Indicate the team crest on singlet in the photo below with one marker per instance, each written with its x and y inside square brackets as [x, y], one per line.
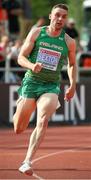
[49, 58]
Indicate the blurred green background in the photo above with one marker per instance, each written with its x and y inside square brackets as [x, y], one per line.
[42, 8]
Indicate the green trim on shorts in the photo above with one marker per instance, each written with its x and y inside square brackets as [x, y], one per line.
[32, 88]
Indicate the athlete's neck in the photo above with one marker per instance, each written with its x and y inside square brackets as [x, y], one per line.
[53, 31]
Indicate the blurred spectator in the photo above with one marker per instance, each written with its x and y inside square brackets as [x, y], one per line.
[3, 52]
[71, 30]
[14, 10]
[89, 44]
[2, 30]
[78, 55]
[84, 57]
[3, 21]
[12, 57]
[26, 18]
[13, 53]
[3, 47]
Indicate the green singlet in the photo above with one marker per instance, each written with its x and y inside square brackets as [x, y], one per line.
[52, 52]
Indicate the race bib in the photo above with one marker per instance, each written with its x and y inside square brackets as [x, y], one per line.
[48, 58]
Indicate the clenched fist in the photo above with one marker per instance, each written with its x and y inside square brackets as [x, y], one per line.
[37, 67]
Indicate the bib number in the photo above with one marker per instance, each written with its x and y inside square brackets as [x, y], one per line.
[48, 58]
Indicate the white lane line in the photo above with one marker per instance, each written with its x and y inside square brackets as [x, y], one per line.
[52, 154]
[48, 155]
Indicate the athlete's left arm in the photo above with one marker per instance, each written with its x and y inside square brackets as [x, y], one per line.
[71, 68]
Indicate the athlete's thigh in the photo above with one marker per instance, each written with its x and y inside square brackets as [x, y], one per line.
[47, 104]
[25, 107]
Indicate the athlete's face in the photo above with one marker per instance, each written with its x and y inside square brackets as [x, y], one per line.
[58, 18]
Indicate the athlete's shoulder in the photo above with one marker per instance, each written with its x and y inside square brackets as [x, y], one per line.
[35, 32]
[71, 43]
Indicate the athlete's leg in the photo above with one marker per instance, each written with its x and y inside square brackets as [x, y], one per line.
[25, 107]
[46, 106]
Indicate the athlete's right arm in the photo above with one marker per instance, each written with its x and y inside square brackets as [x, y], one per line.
[26, 49]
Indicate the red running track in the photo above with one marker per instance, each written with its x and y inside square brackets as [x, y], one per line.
[64, 154]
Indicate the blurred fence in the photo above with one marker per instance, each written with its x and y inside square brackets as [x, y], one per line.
[7, 69]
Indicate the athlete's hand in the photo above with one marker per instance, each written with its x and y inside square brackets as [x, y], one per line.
[37, 67]
[69, 93]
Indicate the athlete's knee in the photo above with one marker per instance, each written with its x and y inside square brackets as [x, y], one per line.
[18, 131]
[17, 127]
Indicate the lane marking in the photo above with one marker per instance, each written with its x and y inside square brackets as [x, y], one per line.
[48, 155]
[52, 154]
